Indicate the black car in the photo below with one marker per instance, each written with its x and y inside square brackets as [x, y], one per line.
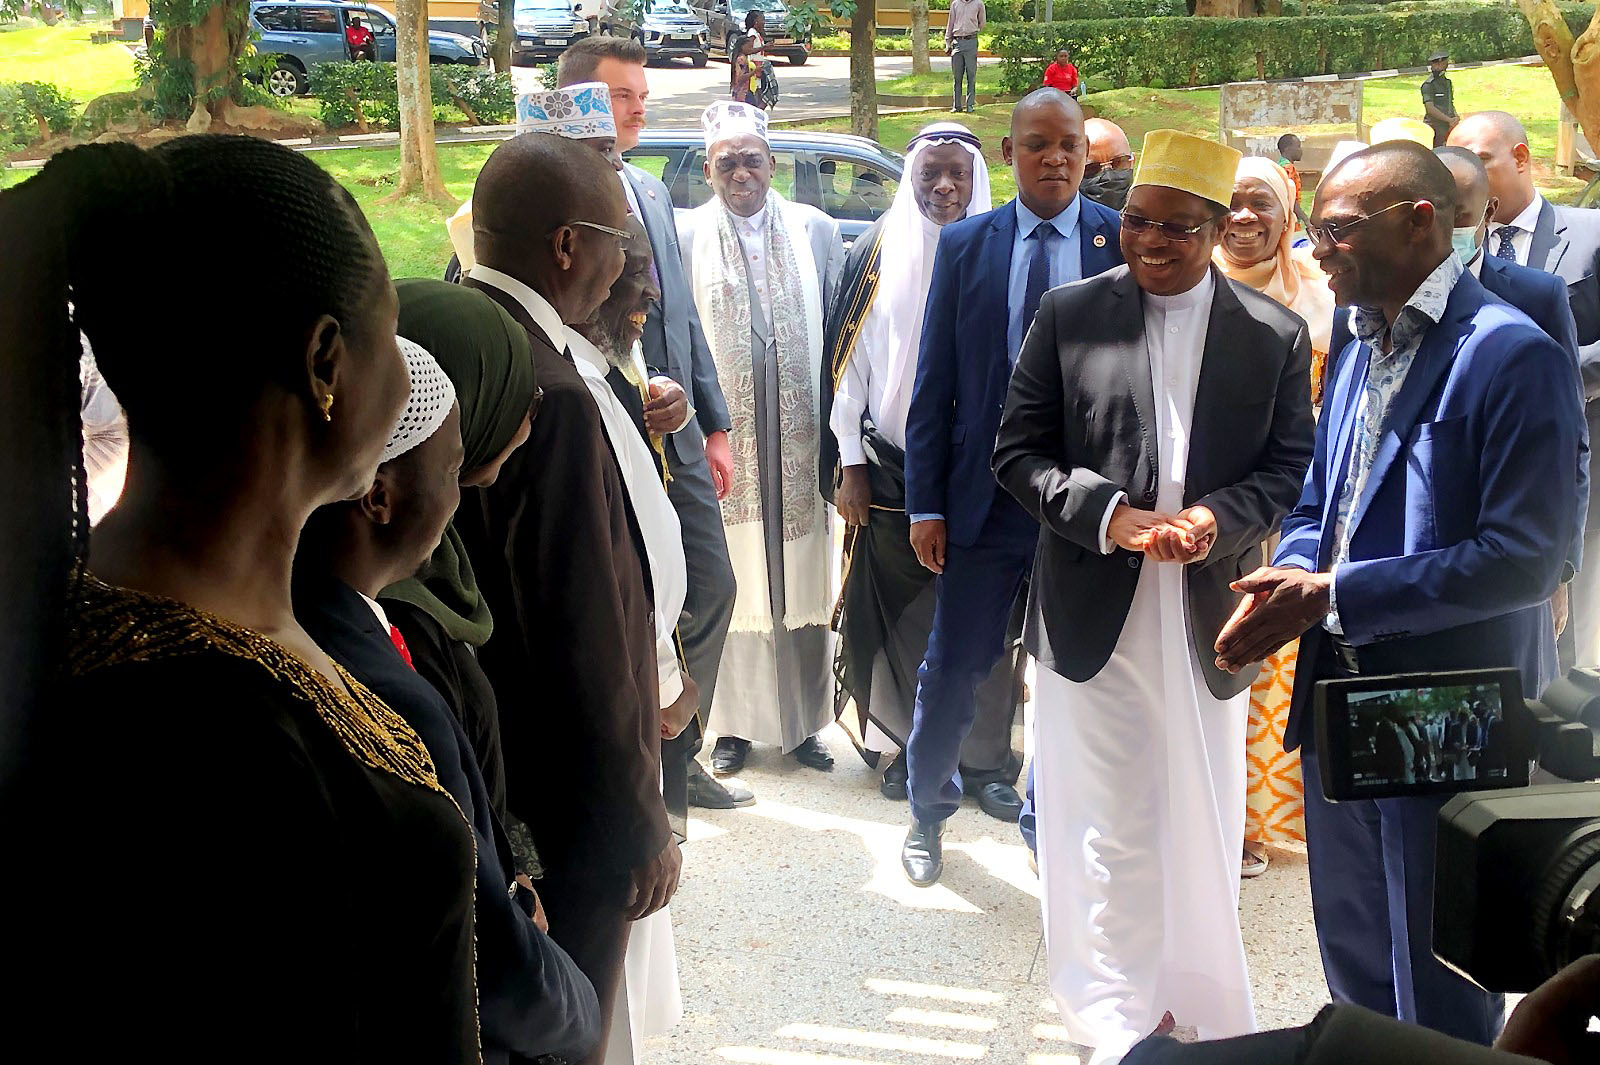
[725, 19]
[545, 28]
[849, 178]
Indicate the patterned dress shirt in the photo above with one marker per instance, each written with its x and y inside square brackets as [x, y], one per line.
[1386, 375]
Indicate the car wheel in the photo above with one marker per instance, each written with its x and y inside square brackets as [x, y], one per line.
[798, 59]
[701, 58]
[286, 80]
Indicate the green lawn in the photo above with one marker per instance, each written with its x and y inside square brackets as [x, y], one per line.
[62, 55]
[938, 83]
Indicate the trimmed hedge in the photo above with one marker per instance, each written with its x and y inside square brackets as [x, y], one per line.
[349, 94]
[1173, 52]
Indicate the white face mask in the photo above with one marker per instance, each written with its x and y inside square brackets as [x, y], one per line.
[1464, 240]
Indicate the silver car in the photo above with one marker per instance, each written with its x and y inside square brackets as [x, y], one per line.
[668, 29]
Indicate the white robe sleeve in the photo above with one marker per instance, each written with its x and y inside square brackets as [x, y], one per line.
[849, 403]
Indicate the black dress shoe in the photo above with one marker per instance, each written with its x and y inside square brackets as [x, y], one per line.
[922, 856]
[728, 755]
[1000, 801]
[813, 755]
[895, 778]
[709, 794]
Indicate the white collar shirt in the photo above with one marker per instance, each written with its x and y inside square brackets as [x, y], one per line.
[546, 317]
[633, 197]
[753, 237]
[1522, 239]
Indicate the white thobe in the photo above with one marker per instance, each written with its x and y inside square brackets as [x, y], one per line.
[649, 1002]
[1140, 784]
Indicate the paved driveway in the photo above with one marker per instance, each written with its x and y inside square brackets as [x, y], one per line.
[679, 91]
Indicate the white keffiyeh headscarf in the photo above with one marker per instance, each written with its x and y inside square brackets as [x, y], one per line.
[893, 323]
[722, 297]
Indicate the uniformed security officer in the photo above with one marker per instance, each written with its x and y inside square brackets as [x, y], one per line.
[1438, 99]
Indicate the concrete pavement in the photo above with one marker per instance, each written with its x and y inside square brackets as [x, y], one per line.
[801, 943]
[679, 91]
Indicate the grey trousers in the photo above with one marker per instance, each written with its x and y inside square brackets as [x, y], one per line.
[964, 60]
[707, 608]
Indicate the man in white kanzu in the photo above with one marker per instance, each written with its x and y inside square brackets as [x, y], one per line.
[763, 270]
[1158, 425]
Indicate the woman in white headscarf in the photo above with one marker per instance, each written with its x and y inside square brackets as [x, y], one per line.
[874, 332]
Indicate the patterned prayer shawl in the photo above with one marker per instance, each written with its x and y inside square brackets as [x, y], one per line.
[722, 296]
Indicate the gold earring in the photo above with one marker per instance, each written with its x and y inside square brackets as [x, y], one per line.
[327, 406]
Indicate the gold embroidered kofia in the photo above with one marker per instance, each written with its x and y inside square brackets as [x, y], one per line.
[113, 626]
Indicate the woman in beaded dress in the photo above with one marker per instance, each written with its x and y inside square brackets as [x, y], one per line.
[249, 856]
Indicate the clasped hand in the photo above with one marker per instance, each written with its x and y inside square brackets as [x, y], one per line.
[1184, 537]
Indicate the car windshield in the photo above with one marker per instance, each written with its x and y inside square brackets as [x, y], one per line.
[668, 7]
[741, 7]
[544, 7]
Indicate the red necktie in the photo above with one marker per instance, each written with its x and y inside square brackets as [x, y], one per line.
[400, 645]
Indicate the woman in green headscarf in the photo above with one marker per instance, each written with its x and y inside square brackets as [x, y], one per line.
[440, 612]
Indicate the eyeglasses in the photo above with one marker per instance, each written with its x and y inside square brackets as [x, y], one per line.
[1336, 232]
[624, 238]
[1171, 230]
[1091, 169]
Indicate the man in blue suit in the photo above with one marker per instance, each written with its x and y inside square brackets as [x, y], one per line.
[1539, 295]
[1434, 526]
[988, 276]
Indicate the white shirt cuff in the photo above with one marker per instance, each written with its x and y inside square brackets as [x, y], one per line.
[850, 451]
[1106, 546]
[669, 679]
[1332, 622]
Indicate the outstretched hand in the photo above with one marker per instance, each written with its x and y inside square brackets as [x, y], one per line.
[1280, 603]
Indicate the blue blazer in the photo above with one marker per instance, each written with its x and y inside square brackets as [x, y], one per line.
[1543, 297]
[963, 367]
[1461, 534]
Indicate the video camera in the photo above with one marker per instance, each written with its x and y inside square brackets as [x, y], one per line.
[1517, 871]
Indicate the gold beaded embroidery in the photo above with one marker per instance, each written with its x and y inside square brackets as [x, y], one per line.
[112, 626]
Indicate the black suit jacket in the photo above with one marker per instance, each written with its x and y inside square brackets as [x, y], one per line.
[532, 998]
[1079, 427]
[559, 556]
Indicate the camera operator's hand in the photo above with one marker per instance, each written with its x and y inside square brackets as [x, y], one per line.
[1552, 1023]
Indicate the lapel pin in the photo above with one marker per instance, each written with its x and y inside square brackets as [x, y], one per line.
[1099, 240]
[650, 193]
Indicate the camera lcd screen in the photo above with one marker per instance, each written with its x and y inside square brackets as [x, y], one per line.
[1422, 734]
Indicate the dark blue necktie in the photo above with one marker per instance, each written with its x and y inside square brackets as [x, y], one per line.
[1507, 250]
[1044, 237]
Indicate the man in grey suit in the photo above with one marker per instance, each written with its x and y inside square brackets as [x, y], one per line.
[698, 460]
[1530, 231]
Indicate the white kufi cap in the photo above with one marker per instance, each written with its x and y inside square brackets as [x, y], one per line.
[728, 118]
[576, 112]
[432, 396]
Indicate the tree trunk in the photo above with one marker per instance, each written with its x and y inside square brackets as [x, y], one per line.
[1217, 8]
[214, 51]
[419, 163]
[505, 35]
[920, 64]
[863, 71]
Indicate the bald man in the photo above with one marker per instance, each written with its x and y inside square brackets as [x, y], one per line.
[1528, 230]
[1455, 405]
[1109, 169]
[561, 559]
[989, 274]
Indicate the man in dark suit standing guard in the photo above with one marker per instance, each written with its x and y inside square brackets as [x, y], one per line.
[1530, 231]
[988, 275]
[1159, 426]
